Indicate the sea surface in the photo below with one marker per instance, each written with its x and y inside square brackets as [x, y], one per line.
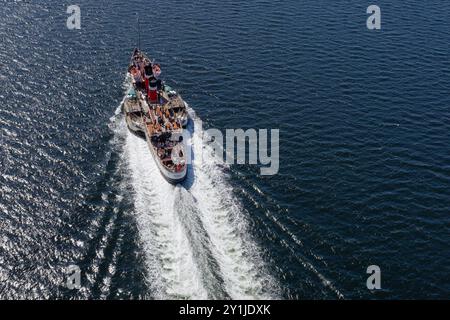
[364, 179]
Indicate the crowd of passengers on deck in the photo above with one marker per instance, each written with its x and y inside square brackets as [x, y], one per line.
[164, 148]
[146, 78]
[164, 121]
[145, 75]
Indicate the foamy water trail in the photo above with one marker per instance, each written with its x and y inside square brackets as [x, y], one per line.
[222, 216]
[195, 236]
[172, 270]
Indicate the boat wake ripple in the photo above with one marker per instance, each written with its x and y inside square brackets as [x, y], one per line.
[195, 236]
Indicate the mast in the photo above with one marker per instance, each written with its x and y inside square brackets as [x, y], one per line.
[139, 34]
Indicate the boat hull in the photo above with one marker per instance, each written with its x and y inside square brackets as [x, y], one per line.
[146, 118]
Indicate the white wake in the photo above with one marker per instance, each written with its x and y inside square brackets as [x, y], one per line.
[172, 270]
[167, 216]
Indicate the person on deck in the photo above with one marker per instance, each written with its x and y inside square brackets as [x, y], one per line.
[137, 78]
[156, 70]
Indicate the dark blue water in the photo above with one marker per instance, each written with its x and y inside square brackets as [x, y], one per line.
[364, 175]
